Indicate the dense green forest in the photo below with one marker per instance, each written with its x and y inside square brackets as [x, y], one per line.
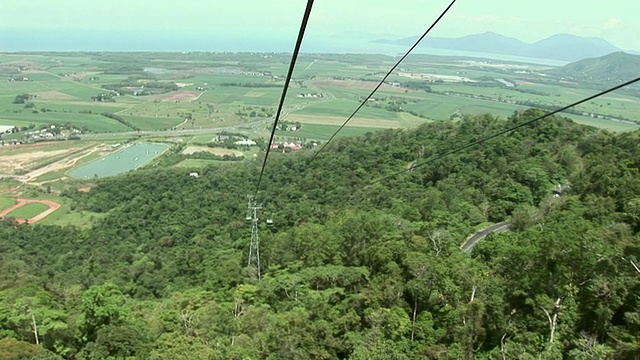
[352, 269]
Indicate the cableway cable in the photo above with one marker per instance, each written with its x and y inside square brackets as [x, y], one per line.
[384, 79]
[294, 57]
[511, 129]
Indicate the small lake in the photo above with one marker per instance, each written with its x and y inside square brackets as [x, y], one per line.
[125, 159]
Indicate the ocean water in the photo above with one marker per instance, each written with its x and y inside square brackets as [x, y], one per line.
[121, 40]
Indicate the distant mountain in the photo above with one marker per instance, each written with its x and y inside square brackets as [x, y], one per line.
[571, 47]
[610, 69]
[364, 35]
[558, 47]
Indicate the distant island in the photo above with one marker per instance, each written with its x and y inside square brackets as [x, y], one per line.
[564, 47]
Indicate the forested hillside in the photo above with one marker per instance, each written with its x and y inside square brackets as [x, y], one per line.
[352, 269]
[612, 69]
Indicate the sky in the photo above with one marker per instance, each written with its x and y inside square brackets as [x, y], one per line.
[262, 20]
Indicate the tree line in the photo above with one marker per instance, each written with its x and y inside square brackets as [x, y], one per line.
[351, 269]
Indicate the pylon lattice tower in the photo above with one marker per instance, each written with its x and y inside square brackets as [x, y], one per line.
[254, 247]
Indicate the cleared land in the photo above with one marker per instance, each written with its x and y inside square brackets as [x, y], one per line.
[355, 122]
[136, 97]
[6, 203]
[196, 163]
[324, 132]
[217, 151]
[181, 95]
[30, 211]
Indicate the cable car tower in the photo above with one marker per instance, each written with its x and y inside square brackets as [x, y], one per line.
[254, 247]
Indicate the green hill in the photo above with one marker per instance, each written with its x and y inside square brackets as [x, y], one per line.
[610, 69]
[351, 269]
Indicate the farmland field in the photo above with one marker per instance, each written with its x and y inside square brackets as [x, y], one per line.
[6, 203]
[197, 163]
[121, 161]
[189, 98]
[216, 151]
[324, 132]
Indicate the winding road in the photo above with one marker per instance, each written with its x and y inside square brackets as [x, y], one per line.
[473, 239]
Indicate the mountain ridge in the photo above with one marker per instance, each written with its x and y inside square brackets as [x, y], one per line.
[564, 47]
[611, 69]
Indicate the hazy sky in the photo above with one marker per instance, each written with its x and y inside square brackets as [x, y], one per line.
[614, 20]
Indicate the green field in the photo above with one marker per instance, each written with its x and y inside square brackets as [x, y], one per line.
[198, 163]
[64, 216]
[216, 91]
[28, 211]
[121, 161]
[95, 123]
[153, 123]
[6, 203]
[324, 132]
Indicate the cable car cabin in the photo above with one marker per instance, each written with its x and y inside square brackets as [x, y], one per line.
[248, 218]
[269, 222]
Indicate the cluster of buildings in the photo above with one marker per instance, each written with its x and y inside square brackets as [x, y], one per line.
[286, 145]
[311, 95]
[52, 132]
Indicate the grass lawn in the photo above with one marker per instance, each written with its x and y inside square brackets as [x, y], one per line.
[197, 163]
[610, 125]
[93, 122]
[324, 132]
[64, 216]
[6, 203]
[28, 211]
[152, 123]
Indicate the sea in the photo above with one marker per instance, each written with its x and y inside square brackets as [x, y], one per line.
[32, 40]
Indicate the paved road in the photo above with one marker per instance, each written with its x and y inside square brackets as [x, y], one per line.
[473, 239]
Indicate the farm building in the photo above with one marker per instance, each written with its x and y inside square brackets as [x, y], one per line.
[6, 128]
[245, 142]
[292, 146]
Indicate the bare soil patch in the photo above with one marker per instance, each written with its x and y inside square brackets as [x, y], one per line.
[253, 93]
[11, 163]
[358, 84]
[33, 71]
[620, 99]
[434, 77]
[81, 75]
[54, 95]
[356, 121]
[53, 206]
[181, 96]
[217, 151]
[19, 159]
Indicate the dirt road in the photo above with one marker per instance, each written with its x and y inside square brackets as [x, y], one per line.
[53, 206]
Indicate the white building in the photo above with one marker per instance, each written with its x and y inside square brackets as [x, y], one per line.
[245, 142]
[6, 128]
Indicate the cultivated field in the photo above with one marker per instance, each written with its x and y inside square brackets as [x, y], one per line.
[216, 151]
[93, 100]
